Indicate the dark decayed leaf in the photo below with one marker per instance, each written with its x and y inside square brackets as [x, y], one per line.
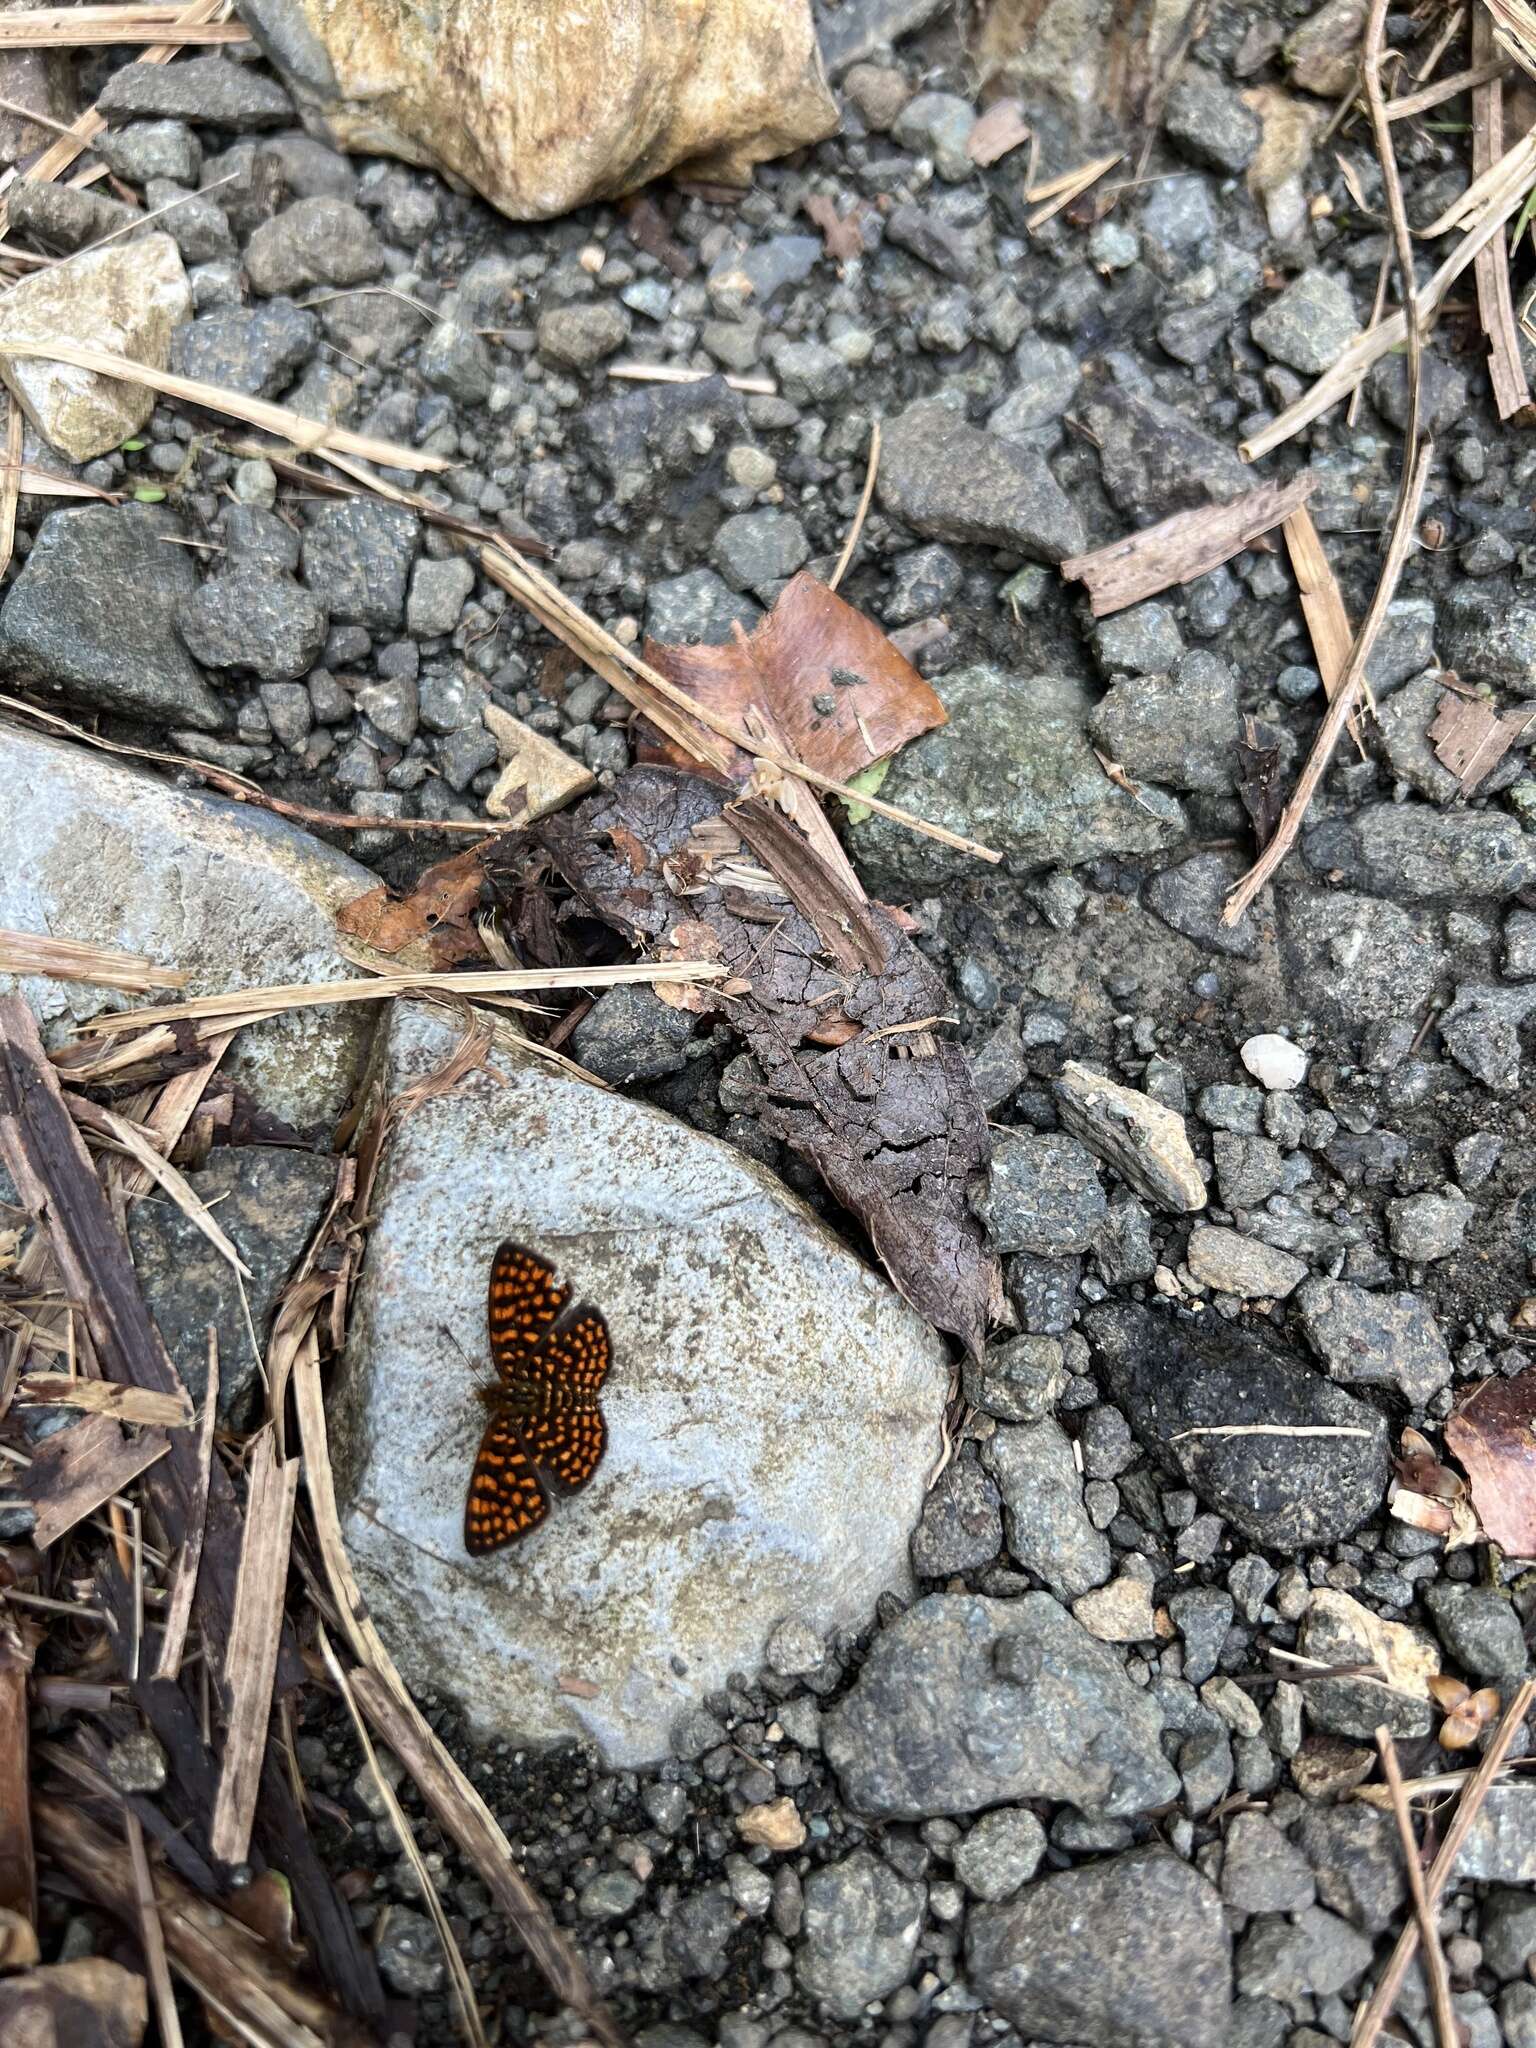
[1259, 782]
[842, 235]
[832, 999]
[438, 915]
[1491, 1433]
[835, 692]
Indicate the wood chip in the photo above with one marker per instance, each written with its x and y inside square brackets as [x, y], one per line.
[10, 480]
[1187, 545]
[841, 235]
[1000, 129]
[78, 1470]
[103, 1397]
[178, 1608]
[251, 1663]
[73, 960]
[537, 776]
[1470, 738]
[1322, 606]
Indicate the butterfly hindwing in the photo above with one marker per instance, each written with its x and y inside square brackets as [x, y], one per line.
[568, 1446]
[505, 1499]
[524, 1303]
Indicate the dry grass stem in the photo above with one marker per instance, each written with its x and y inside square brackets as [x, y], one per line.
[1514, 28]
[1446, 2031]
[10, 481]
[1060, 192]
[60, 28]
[1270, 1429]
[18, 1869]
[1495, 300]
[74, 960]
[1397, 212]
[1322, 606]
[1337, 715]
[176, 1186]
[178, 1607]
[313, 437]
[151, 1934]
[673, 373]
[1179, 548]
[102, 1397]
[251, 1663]
[1374, 2015]
[1428, 96]
[862, 513]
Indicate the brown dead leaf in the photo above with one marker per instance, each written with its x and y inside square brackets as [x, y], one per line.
[1419, 1469]
[647, 228]
[824, 676]
[843, 236]
[1000, 129]
[1491, 1434]
[1259, 778]
[437, 918]
[890, 1119]
[1470, 738]
[576, 1688]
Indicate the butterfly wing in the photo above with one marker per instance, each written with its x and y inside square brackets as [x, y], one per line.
[567, 1445]
[505, 1499]
[574, 1359]
[524, 1303]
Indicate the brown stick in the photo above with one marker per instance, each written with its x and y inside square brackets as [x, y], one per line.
[1322, 606]
[18, 1867]
[1183, 546]
[1397, 213]
[1375, 2013]
[1495, 301]
[1338, 713]
[151, 1935]
[863, 509]
[178, 1610]
[1429, 96]
[1429, 1934]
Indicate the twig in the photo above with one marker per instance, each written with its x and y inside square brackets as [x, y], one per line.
[863, 512]
[10, 483]
[1429, 1934]
[1338, 712]
[251, 1663]
[1495, 302]
[1183, 546]
[1322, 606]
[74, 960]
[1397, 213]
[178, 1609]
[673, 373]
[1447, 88]
[1376, 2012]
[151, 1935]
[60, 28]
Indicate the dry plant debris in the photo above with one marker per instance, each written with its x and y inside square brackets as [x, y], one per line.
[1470, 738]
[1491, 1433]
[1180, 548]
[836, 1005]
[54, 28]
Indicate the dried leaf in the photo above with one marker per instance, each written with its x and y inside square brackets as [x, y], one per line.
[1491, 1434]
[890, 1119]
[1419, 1469]
[842, 235]
[1471, 738]
[1260, 781]
[1467, 1713]
[647, 228]
[1001, 128]
[537, 776]
[437, 919]
[832, 687]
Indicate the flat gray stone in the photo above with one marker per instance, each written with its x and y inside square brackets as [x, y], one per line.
[1374, 1340]
[1501, 1846]
[737, 1321]
[1046, 1521]
[1230, 1263]
[966, 1703]
[1309, 324]
[94, 849]
[859, 1933]
[948, 480]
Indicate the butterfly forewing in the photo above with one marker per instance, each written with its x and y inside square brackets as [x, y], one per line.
[523, 1305]
[505, 1498]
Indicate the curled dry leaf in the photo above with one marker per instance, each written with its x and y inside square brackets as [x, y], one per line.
[87, 2003]
[833, 1001]
[433, 926]
[1428, 1495]
[1467, 1713]
[842, 235]
[831, 686]
[1491, 1433]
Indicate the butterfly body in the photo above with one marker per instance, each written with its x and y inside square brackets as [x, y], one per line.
[545, 1425]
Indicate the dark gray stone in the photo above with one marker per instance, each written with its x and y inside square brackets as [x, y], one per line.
[859, 1933]
[630, 1034]
[93, 611]
[1482, 1032]
[150, 149]
[1019, 1380]
[1174, 1374]
[321, 240]
[1209, 121]
[1262, 1871]
[268, 1201]
[1501, 1844]
[1315, 1953]
[579, 336]
[1358, 1862]
[950, 481]
[1490, 636]
[211, 89]
[652, 434]
[932, 240]
[258, 350]
[1190, 898]
[1043, 1194]
[1480, 1629]
[962, 1523]
[1416, 854]
[1142, 640]
[696, 606]
[1181, 730]
[1358, 959]
[1000, 1853]
[1132, 1952]
[966, 1703]
[247, 618]
[758, 551]
[1047, 1523]
[1248, 1170]
[1374, 1340]
[1308, 324]
[357, 556]
[1155, 461]
[1202, 1616]
[923, 581]
[1044, 1291]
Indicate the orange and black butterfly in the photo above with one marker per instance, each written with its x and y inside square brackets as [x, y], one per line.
[551, 1361]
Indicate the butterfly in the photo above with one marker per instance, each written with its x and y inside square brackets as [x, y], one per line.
[551, 1361]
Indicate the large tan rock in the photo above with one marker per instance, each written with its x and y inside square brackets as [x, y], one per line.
[543, 107]
[127, 297]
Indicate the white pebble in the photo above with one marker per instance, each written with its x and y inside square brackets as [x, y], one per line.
[1274, 1062]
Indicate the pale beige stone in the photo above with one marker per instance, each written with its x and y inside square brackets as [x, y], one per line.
[1143, 1140]
[776, 1825]
[1406, 1657]
[536, 777]
[127, 297]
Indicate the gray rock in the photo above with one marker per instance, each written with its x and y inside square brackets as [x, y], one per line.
[1481, 1630]
[1482, 1032]
[653, 433]
[1405, 645]
[437, 596]
[247, 618]
[1132, 1952]
[1043, 1194]
[1046, 377]
[1202, 1616]
[696, 606]
[393, 704]
[1309, 324]
[1490, 637]
[151, 149]
[1013, 768]
[118, 857]
[268, 1202]
[1155, 461]
[1315, 1953]
[1181, 730]
[950, 481]
[1142, 640]
[93, 611]
[579, 336]
[758, 551]
[1191, 896]
[211, 89]
[1209, 121]
[1000, 1853]
[257, 350]
[932, 240]
[1205, 1769]
[1044, 1291]
[1230, 1263]
[1501, 1845]
[1428, 1226]
[1374, 1340]
[966, 1703]
[1358, 1862]
[923, 581]
[199, 228]
[1048, 1528]
[315, 241]
[856, 33]
[1179, 219]
[962, 1523]
[859, 1933]
[1416, 854]
[746, 277]
[408, 1952]
[1248, 1169]
[1172, 1375]
[1261, 1869]
[1336, 1630]
[1520, 945]
[1019, 1380]
[938, 125]
[1358, 958]
[1508, 1932]
[1443, 392]
[454, 360]
[357, 556]
[630, 1034]
[732, 1311]
[811, 373]
[1517, 2016]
